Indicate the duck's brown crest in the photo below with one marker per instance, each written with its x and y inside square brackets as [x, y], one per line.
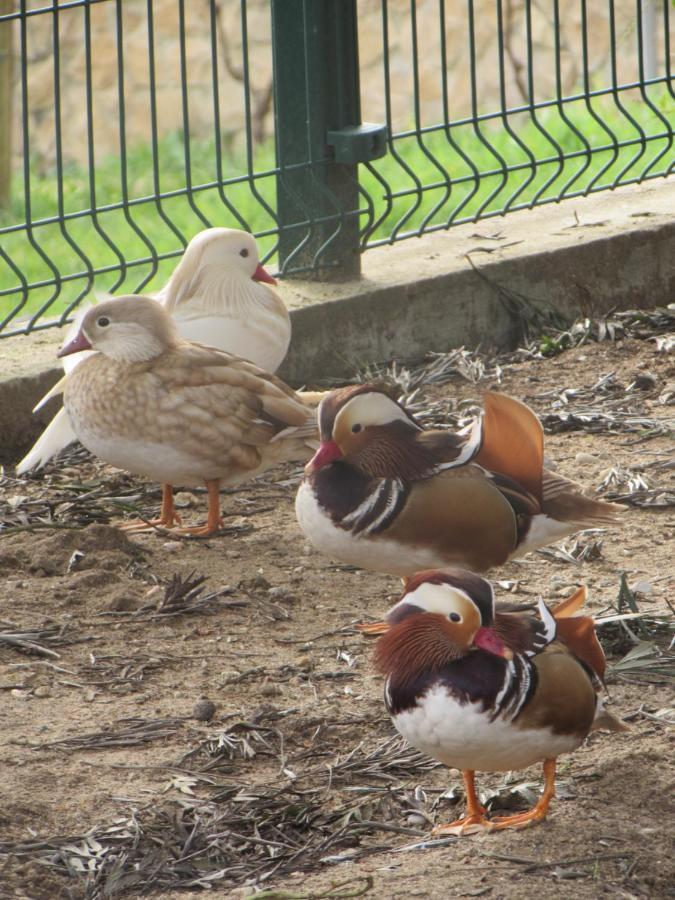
[421, 643]
[333, 402]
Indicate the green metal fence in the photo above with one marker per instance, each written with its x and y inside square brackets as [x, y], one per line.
[126, 126]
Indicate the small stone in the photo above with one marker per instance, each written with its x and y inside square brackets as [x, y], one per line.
[642, 587]
[121, 602]
[184, 499]
[645, 381]
[42, 691]
[204, 710]
[304, 663]
[417, 819]
[232, 554]
[585, 459]
[90, 695]
[172, 546]
[270, 690]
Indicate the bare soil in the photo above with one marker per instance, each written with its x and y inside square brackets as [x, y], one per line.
[279, 657]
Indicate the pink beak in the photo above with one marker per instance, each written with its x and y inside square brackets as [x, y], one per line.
[328, 452]
[78, 343]
[487, 639]
[261, 274]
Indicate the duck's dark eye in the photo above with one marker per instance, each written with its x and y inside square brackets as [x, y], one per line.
[243, 252]
[103, 321]
[455, 617]
[356, 428]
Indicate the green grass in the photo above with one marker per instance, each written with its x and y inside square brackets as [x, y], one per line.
[469, 197]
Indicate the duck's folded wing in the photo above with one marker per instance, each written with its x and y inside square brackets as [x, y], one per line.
[525, 629]
[232, 407]
[512, 442]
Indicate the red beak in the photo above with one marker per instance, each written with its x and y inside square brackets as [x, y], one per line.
[488, 639]
[328, 452]
[79, 342]
[261, 274]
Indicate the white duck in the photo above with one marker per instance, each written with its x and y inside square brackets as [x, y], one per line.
[216, 296]
[176, 411]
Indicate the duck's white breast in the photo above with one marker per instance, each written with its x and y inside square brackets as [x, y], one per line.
[463, 737]
[160, 462]
[262, 339]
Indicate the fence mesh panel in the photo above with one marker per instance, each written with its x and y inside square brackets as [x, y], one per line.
[127, 126]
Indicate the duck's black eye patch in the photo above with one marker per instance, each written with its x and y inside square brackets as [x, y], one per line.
[243, 252]
[103, 321]
[356, 428]
[455, 617]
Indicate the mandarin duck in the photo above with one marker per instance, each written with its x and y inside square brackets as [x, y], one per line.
[385, 494]
[177, 411]
[216, 296]
[488, 688]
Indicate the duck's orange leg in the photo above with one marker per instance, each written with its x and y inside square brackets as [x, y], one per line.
[474, 820]
[214, 521]
[168, 517]
[538, 812]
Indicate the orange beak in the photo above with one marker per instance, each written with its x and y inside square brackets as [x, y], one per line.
[78, 343]
[261, 274]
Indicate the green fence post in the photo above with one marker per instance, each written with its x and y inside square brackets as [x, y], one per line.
[6, 104]
[320, 138]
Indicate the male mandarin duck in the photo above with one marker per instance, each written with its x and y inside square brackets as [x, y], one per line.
[219, 294]
[176, 411]
[384, 494]
[488, 688]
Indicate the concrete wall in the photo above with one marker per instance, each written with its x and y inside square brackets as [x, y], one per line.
[580, 258]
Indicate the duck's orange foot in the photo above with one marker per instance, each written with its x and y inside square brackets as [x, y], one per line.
[518, 821]
[372, 629]
[538, 812]
[138, 525]
[168, 517]
[208, 528]
[471, 824]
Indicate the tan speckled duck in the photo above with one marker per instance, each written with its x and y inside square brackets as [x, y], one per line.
[175, 411]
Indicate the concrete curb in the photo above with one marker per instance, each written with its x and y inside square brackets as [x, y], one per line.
[581, 257]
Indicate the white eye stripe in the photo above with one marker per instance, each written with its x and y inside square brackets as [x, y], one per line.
[371, 409]
[439, 598]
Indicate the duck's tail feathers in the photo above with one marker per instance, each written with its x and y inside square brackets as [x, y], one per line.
[606, 721]
[56, 437]
[564, 502]
[52, 392]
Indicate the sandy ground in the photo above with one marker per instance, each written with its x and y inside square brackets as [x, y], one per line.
[295, 690]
